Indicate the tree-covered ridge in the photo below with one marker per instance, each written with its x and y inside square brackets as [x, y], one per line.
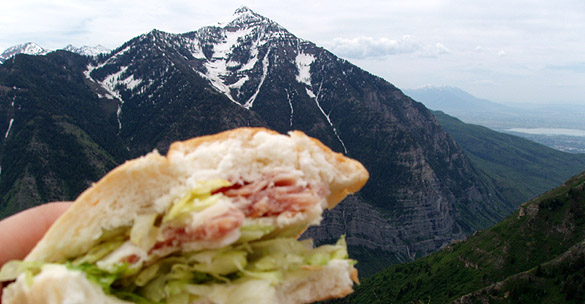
[537, 255]
[59, 136]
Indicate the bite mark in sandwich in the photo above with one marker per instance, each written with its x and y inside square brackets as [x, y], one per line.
[215, 221]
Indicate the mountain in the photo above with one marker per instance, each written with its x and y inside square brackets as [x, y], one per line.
[31, 48]
[87, 50]
[453, 100]
[536, 255]
[69, 114]
[522, 169]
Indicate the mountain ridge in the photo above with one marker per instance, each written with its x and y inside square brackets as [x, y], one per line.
[31, 48]
[536, 255]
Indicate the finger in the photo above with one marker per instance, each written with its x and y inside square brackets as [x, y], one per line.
[19, 233]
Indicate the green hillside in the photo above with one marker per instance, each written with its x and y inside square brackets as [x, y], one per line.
[537, 255]
[521, 168]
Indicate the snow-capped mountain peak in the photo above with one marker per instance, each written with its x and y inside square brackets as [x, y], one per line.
[87, 50]
[29, 48]
[233, 55]
[247, 17]
[244, 17]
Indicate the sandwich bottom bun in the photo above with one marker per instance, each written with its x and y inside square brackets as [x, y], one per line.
[57, 285]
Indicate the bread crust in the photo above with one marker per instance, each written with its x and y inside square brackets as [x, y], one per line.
[347, 166]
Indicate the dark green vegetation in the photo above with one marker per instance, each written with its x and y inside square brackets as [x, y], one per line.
[61, 136]
[521, 169]
[537, 255]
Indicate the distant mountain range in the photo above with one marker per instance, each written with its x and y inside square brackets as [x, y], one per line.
[561, 125]
[31, 48]
[454, 101]
[68, 119]
[536, 255]
[522, 169]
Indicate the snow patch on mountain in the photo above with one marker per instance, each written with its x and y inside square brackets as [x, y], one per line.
[9, 128]
[113, 83]
[245, 17]
[219, 66]
[222, 65]
[231, 54]
[224, 49]
[130, 82]
[292, 110]
[265, 64]
[252, 62]
[196, 50]
[303, 62]
[316, 98]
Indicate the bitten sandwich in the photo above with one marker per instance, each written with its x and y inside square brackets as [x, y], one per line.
[214, 221]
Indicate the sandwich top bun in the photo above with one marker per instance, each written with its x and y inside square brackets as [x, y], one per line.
[249, 158]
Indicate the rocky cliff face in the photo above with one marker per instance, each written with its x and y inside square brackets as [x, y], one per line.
[160, 87]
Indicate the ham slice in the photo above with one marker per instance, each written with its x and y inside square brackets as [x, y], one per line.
[274, 194]
[268, 196]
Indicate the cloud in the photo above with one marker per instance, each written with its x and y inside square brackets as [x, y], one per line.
[482, 50]
[369, 47]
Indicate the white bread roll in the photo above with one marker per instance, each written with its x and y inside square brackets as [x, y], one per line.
[153, 184]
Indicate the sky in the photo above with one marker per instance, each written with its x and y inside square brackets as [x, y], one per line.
[507, 51]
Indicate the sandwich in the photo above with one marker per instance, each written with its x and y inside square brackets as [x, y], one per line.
[216, 220]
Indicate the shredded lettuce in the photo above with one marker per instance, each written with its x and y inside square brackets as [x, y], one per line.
[253, 232]
[246, 291]
[144, 232]
[98, 252]
[181, 279]
[103, 278]
[196, 199]
[262, 262]
[133, 297]
[321, 255]
[12, 269]
[223, 263]
[106, 280]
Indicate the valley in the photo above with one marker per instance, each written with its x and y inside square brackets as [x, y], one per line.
[559, 126]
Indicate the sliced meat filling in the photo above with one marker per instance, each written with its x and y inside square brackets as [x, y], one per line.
[275, 194]
[272, 195]
[213, 229]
